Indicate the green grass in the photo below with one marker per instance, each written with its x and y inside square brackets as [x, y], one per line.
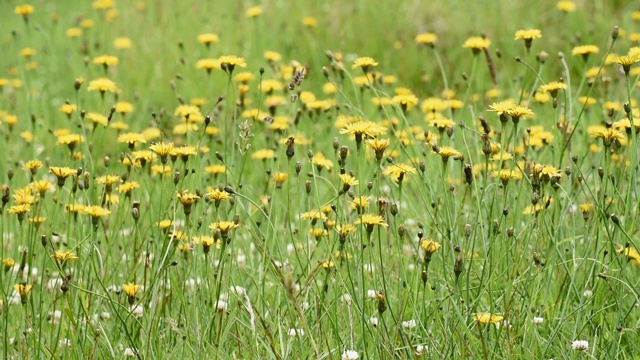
[284, 281]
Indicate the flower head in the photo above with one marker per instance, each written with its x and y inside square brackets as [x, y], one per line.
[62, 173]
[528, 36]
[208, 38]
[131, 290]
[477, 44]
[486, 318]
[553, 87]
[103, 85]
[23, 290]
[229, 62]
[398, 171]
[369, 220]
[427, 39]
[365, 63]
[96, 212]
[585, 51]
[580, 345]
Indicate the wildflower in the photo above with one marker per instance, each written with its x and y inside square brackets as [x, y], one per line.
[362, 129]
[447, 151]
[24, 10]
[360, 204]
[106, 61]
[254, 11]
[71, 140]
[132, 139]
[427, 39]
[528, 36]
[280, 178]
[379, 146]
[225, 227]
[430, 246]
[163, 150]
[108, 181]
[208, 64]
[421, 349]
[580, 345]
[187, 199]
[608, 135]
[68, 108]
[62, 173]
[398, 171]
[32, 166]
[20, 210]
[347, 182]
[486, 318]
[369, 220]
[217, 196]
[409, 324]
[62, 256]
[272, 56]
[74, 32]
[103, 85]
[507, 174]
[229, 62]
[518, 112]
[321, 162]
[23, 290]
[477, 44]
[122, 43]
[502, 109]
[630, 252]
[96, 212]
[365, 63]
[537, 320]
[585, 51]
[553, 87]
[27, 52]
[627, 60]
[208, 39]
[131, 290]
[350, 355]
[566, 6]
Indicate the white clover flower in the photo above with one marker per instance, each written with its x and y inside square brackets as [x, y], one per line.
[54, 316]
[373, 321]
[129, 352]
[421, 349]
[296, 332]
[350, 355]
[409, 324]
[222, 305]
[587, 293]
[537, 320]
[136, 311]
[371, 294]
[580, 345]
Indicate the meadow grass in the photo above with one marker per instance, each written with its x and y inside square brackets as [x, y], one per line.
[319, 180]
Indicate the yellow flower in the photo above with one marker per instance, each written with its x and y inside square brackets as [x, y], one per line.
[369, 220]
[163, 150]
[23, 290]
[426, 39]
[24, 10]
[347, 181]
[507, 174]
[529, 34]
[74, 32]
[476, 44]
[309, 22]
[215, 169]
[131, 290]
[254, 11]
[217, 196]
[608, 135]
[208, 64]
[585, 50]
[122, 43]
[566, 6]
[398, 171]
[127, 187]
[518, 112]
[123, 107]
[447, 151]
[362, 129]
[365, 63]
[62, 173]
[27, 52]
[132, 139]
[630, 252]
[224, 226]
[627, 60]
[263, 154]
[96, 212]
[272, 56]
[20, 210]
[32, 166]
[553, 87]
[280, 178]
[187, 199]
[379, 146]
[103, 85]
[229, 62]
[208, 38]
[486, 318]
[106, 60]
[64, 256]
[430, 246]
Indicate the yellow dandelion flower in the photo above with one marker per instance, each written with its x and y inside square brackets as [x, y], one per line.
[426, 39]
[486, 318]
